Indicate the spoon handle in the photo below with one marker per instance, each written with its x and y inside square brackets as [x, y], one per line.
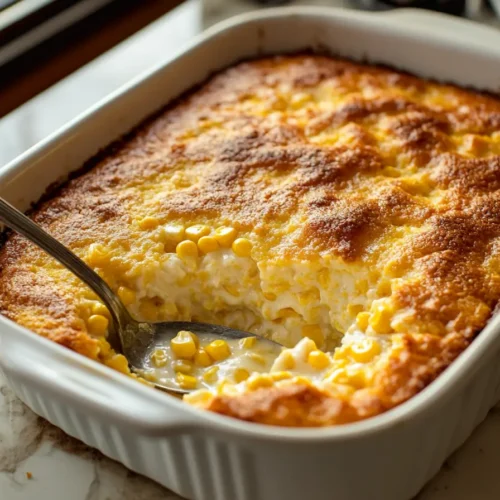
[16, 220]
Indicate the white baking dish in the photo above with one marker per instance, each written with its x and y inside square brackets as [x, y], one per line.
[206, 456]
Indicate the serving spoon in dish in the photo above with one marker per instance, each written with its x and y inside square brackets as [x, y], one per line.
[135, 340]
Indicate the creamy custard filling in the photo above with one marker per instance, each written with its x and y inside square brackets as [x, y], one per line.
[318, 310]
[319, 300]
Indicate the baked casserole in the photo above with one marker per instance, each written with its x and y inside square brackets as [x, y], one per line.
[346, 211]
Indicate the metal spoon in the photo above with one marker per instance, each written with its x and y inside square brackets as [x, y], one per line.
[136, 340]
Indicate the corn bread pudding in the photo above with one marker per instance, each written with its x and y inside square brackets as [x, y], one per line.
[347, 211]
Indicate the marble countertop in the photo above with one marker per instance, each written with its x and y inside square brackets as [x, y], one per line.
[37, 460]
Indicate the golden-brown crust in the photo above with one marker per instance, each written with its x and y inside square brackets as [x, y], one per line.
[312, 157]
[290, 405]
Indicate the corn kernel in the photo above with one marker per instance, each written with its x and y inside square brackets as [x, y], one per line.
[225, 236]
[258, 381]
[201, 358]
[277, 376]
[364, 350]
[100, 308]
[172, 234]
[198, 398]
[148, 311]
[208, 244]
[300, 379]
[119, 363]
[148, 223]
[287, 360]
[324, 278]
[168, 310]
[315, 333]
[182, 366]
[150, 376]
[307, 345]
[231, 289]
[281, 287]
[218, 350]
[186, 381]
[435, 327]
[362, 320]
[380, 320]
[97, 324]
[158, 358]
[183, 345]
[186, 249]
[340, 363]
[185, 281]
[127, 296]
[195, 338]
[240, 374]
[338, 376]
[97, 255]
[226, 387]
[384, 288]
[309, 297]
[400, 324]
[318, 360]
[257, 358]
[104, 348]
[242, 247]
[395, 268]
[354, 309]
[248, 342]
[354, 377]
[361, 286]
[287, 312]
[341, 353]
[194, 233]
[158, 248]
[270, 296]
[211, 374]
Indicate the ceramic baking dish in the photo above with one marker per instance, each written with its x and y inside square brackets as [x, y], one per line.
[205, 456]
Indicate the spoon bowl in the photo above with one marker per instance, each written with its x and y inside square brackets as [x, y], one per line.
[135, 340]
[141, 340]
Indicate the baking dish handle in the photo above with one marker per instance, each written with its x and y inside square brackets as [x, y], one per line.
[97, 390]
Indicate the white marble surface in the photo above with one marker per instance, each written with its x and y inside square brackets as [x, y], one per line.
[61, 468]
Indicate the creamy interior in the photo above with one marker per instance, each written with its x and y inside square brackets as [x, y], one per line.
[302, 305]
[284, 302]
